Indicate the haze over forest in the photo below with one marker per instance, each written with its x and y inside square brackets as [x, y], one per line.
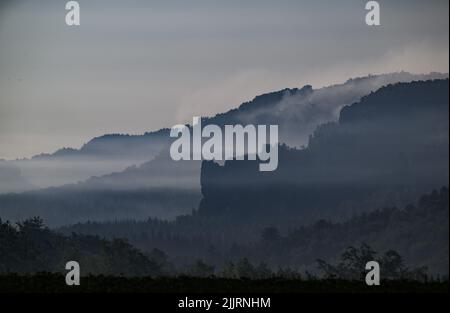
[363, 159]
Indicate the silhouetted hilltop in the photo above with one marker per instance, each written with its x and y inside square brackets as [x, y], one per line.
[115, 145]
[266, 101]
[382, 104]
[358, 166]
[385, 150]
[297, 111]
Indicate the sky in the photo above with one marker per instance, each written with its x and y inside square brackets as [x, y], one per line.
[137, 66]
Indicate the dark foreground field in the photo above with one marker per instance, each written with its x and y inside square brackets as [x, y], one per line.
[55, 283]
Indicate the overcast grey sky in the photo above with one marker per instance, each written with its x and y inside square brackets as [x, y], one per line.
[136, 66]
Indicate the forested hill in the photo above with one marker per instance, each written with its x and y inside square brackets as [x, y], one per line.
[297, 111]
[419, 232]
[385, 150]
[31, 247]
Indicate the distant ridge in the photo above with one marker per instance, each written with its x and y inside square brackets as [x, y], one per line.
[298, 111]
[384, 150]
[259, 102]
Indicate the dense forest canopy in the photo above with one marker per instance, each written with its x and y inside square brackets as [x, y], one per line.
[417, 232]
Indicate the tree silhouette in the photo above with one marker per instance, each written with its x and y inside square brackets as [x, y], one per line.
[353, 260]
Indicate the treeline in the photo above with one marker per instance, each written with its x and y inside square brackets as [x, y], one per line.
[416, 235]
[418, 232]
[31, 248]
